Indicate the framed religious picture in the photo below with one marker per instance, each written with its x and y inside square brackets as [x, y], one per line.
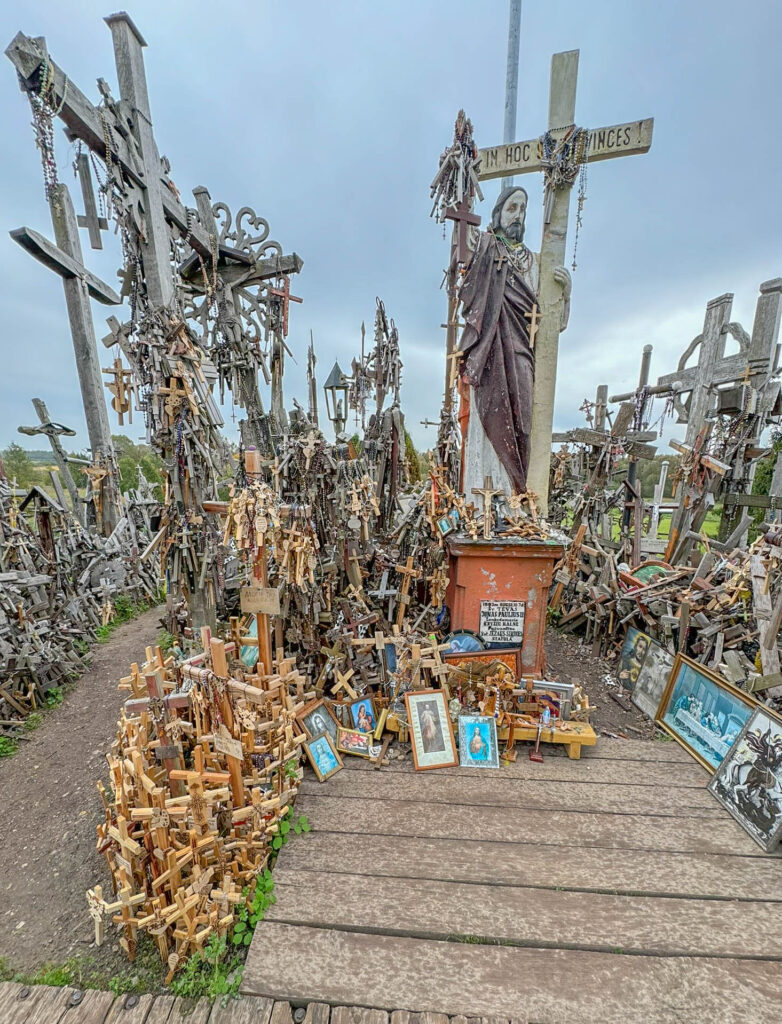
[351, 741]
[632, 656]
[362, 714]
[748, 782]
[510, 656]
[323, 757]
[650, 681]
[445, 525]
[317, 717]
[478, 742]
[703, 712]
[431, 732]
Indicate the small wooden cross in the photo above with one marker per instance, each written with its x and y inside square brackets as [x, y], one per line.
[534, 316]
[453, 359]
[488, 491]
[343, 683]
[409, 574]
[464, 217]
[284, 293]
[121, 387]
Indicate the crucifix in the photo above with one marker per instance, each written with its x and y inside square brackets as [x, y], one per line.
[488, 492]
[524, 158]
[54, 431]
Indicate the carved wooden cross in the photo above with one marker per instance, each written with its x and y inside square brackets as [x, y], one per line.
[409, 574]
[464, 217]
[488, 491]
[343, 683]
[284, 293]
[121, 387]
[534, 316]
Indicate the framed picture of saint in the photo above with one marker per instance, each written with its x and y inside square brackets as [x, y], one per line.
[431, 732]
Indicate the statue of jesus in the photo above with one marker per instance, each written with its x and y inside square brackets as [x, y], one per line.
[498, 305]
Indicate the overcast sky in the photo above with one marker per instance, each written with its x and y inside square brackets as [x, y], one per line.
[329, 118]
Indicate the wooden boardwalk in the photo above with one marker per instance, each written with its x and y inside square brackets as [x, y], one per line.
[611, 889]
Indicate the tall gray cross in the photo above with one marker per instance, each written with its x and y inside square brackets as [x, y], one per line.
[65, 258]
[524, 158]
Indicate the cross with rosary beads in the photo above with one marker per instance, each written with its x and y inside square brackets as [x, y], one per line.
[464, 217]
[488, 492]
[284, 293]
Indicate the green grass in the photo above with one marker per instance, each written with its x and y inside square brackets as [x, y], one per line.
[8, 746]
[125, 609]
[146, 973]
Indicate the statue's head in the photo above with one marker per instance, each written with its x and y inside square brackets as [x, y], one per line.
[510, 212]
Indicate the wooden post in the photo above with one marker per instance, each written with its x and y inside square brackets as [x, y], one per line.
[562, 111]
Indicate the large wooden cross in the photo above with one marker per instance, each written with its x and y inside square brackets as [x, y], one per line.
[524, 158]
[64, 257]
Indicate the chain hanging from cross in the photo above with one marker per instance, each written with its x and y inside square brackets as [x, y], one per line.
[563, 162]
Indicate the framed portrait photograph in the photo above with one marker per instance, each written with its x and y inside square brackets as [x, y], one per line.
[632, 657]
[431, 733]
[317, 717]
[748, 783]
[651, 680]
[703, 712]
[323, 757]
[478, 742]
[363, 715]
[351, 741]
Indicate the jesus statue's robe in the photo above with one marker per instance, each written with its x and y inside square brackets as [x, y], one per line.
[499, 290]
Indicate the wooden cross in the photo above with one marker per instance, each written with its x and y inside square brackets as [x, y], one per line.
[284, 293]
[527, 157]
[121, 387]
[343, 683]
[464, 217]
[409, 574]
[90, 219]
[534, 316]
[488, 492]
[453, 359]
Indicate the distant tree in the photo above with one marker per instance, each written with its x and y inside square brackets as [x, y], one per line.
[413, 459]
[764, 471]
[19, 466]
[131, 457]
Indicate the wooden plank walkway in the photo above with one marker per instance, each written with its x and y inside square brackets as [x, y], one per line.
[610, 889]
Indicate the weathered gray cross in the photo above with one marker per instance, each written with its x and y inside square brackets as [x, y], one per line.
[524, 158]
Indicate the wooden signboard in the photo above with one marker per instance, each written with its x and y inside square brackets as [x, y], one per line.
[260, 600]
[604, 143]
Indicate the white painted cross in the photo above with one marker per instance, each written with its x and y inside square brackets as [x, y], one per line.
[524, 158]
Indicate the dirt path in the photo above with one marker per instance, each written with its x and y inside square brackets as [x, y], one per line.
[573, 662]
[49, 808]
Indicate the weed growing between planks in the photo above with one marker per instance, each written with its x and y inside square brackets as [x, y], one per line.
[217, 971]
